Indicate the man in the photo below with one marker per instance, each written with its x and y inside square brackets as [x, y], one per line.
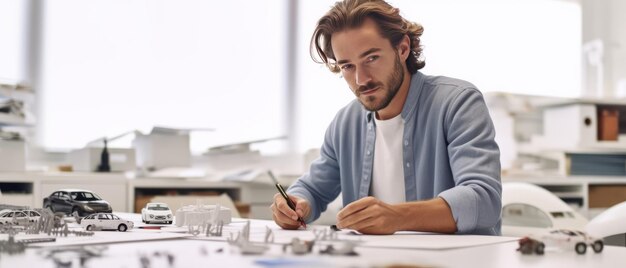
[415, 152]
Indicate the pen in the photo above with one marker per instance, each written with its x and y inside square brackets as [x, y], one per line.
[282, 192]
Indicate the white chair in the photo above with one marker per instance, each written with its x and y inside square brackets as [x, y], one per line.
[528, 209]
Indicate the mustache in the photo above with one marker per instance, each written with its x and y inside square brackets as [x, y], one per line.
[370, 85]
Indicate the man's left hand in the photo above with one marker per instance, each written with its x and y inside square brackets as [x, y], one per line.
[369, 215]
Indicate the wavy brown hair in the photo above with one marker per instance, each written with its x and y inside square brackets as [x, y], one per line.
[349, 14]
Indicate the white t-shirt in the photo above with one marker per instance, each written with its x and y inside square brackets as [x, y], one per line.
[388, 173]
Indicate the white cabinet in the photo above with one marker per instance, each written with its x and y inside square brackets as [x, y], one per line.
[17, 190]
[589, 195]
[29, 189]
[131, 194]
[142, 190]
[109, 186]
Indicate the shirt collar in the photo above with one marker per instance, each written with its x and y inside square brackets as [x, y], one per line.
[415, 88]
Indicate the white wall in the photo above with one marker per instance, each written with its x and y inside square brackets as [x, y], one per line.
[12, 39]
[605, 20]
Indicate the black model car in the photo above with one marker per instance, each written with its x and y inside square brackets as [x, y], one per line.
[83, 202]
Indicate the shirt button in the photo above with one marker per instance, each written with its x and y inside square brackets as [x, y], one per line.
[369, 127]
[408, 164]
[368, 152]
[406, 142]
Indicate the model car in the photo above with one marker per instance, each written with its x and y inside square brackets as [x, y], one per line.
[105, 221]
[70, 201]
[562, 238]
[577, 240]
[17, 217]
[32, 215]
[156, 213]
[14, 218]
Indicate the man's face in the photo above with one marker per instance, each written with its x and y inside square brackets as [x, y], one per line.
[370, 65]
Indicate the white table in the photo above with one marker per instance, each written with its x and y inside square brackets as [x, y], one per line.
[189, 253]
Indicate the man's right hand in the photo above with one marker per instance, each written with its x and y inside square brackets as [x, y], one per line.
[284, 216]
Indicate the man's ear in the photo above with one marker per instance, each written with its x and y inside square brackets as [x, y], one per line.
[404, 47]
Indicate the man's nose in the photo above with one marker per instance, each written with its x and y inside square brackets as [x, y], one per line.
[362, 77]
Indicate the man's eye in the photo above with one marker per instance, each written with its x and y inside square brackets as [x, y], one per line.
[372, 58]
[346, 67]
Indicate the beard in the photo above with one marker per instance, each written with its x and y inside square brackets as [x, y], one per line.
[373, 103]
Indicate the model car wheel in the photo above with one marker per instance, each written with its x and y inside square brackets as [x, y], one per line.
[75, 211]
[540, 248]
[122, 228]
[169, 222]
[581, 248]
[89, 227]
[597, 246]
[50, 208]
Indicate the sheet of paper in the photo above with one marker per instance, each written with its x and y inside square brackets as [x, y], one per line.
[405, 240]
[430, 241]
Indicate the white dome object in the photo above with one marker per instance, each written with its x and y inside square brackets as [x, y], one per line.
[610, 222]
[528, 209]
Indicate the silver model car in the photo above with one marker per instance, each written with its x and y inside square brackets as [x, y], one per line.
[105, 221]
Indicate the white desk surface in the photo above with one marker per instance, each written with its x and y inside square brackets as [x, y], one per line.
[189, 253]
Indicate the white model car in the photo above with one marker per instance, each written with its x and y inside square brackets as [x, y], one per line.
[157, 213]
[14, 218]
[572, 239]
[32, 215]
[17, 217]
[105, 221]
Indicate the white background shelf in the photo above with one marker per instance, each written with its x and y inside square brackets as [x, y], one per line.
[24, 95]
[12, 120]
[571, 187]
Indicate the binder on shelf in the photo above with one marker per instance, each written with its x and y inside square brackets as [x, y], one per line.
[596, 164]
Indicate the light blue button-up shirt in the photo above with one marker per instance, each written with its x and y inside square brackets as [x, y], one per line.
[449, 152]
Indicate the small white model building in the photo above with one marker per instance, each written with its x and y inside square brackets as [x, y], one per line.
[157, 213]
[299, 247]
[246, 247]
[200, 214]
[340, 248]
